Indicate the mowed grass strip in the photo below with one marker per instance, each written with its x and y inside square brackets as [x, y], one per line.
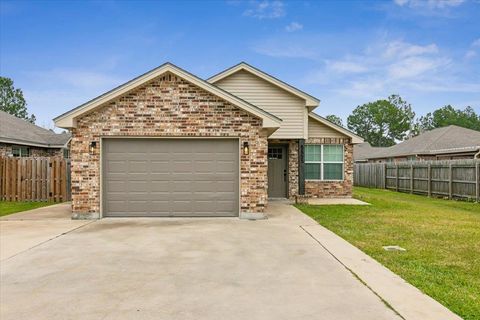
[9, 207]
[442, 239]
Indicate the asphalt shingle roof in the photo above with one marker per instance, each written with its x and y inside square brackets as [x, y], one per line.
[448, 139]
[16, 130]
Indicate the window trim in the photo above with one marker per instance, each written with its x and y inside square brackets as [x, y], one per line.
[322, 162]
[24, 151]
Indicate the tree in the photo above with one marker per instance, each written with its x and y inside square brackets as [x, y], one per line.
[446, 116]
[335, 119]
[12, 100]
[383, 122]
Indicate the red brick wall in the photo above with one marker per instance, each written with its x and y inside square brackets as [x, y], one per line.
[6, 150]
[167, 106]
[329, 189]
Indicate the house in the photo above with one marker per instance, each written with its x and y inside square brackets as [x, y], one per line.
[451, 142]
[169, 143]
[19, 138]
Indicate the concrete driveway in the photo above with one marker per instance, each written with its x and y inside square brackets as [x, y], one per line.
[218, 268]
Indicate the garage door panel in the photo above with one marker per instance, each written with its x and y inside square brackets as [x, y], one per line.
[159, 166]
[160, 186]
[138, 166]
[170, 177]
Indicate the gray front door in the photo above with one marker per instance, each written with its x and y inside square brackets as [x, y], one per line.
[277, 171]
[170, 177]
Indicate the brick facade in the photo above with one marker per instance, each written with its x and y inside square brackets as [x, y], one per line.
[292, 169]
[6, 151]
[167, 106]
[330, 189]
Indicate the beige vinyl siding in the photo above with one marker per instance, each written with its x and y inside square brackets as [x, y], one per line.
[319, 130]
[270, 98]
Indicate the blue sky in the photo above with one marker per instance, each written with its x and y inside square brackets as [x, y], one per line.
[346, 53]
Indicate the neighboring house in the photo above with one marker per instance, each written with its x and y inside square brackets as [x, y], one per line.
[19, 138]
[168, 143]
[451, 142]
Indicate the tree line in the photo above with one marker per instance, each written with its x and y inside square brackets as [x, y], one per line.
[385, 122]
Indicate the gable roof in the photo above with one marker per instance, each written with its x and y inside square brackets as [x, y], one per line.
[364, 151]
[450, 139]
[311, 101]
[68, 119]
[348, 133]
[18, 131]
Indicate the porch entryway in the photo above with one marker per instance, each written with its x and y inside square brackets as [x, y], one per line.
[277, 171]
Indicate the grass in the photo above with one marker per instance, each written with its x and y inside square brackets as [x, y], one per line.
[9, 207]
[442, 238]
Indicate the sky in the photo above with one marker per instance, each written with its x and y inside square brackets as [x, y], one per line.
[346, 53]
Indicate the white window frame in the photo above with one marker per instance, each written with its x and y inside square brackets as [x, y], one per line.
[322, 162]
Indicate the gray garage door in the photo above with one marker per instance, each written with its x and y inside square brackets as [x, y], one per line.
[170, 177]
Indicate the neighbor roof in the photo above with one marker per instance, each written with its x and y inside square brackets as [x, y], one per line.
[68, 119]
[311, 101]
[348, 133]
[364, 151]
[450, 139]
[18, 131]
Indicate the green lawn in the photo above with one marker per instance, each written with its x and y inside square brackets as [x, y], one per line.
[442, 238]
[7, 207]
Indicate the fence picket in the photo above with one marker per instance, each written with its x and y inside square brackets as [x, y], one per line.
[32, 179]
[445, 178]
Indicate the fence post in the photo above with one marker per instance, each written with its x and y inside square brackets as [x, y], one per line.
[411, 178]
[396, 177]
[429, 179]
[450, 181]
[384, 176]
[477, 180]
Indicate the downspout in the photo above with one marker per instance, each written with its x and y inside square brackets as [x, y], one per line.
[477, 155]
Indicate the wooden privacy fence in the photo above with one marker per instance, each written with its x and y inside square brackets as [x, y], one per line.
[34, 179]
[446, 178]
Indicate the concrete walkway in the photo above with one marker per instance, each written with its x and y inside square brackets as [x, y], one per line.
[24, 230]
[285, 267]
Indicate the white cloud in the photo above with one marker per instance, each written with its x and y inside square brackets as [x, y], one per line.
[476, 43]
[429, 4]
[470, 54]
[414, 66]
[294, 26]
[265, 9]
[346, 67]
[399, 49]
[391, 66]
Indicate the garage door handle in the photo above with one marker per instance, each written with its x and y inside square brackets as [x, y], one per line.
[285, 175]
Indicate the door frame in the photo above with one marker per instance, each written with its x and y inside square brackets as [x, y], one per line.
[101, 162]
[287, 154]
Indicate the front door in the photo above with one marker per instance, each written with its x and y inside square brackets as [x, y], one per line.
[277, 171]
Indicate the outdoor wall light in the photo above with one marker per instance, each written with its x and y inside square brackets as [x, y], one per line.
[93, 145]
[246, 149]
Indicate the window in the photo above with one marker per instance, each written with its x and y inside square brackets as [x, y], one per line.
[20, 151]
[324, 162]
[66, 153]
[275, 153]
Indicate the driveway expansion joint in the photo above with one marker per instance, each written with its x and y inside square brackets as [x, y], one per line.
[48, 240]
[388, 305]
